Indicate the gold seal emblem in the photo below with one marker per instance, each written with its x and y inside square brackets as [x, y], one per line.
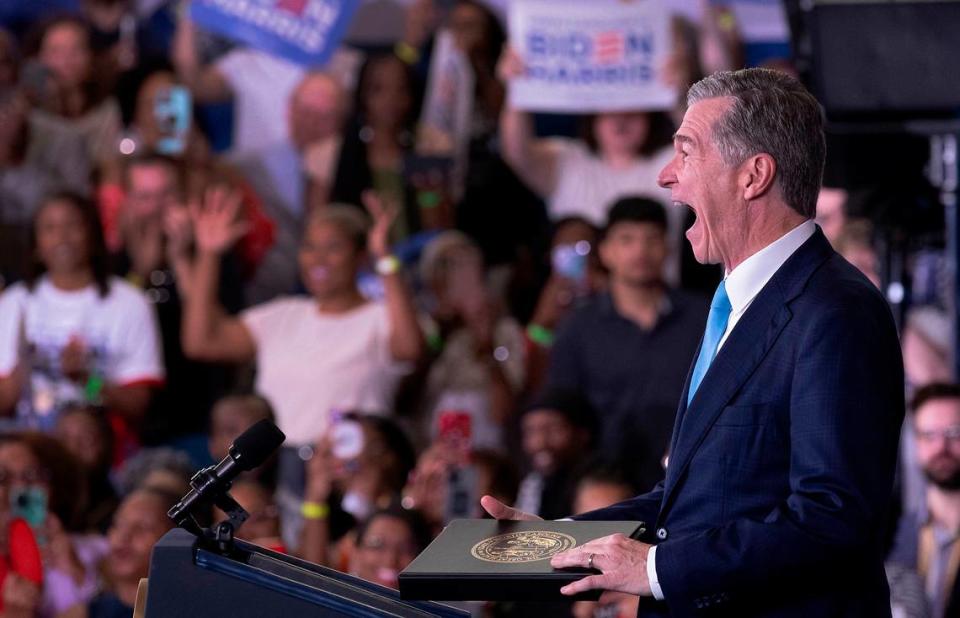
[527, 546]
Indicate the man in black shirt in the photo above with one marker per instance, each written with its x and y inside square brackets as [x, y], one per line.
[628, 350]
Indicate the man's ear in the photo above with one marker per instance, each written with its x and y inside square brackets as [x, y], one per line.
[758, 175]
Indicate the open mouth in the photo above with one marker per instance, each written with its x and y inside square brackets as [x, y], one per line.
[319, 273]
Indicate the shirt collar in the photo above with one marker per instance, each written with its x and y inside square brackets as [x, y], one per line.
[745, 281]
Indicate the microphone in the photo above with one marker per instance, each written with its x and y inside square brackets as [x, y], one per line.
[248, 451]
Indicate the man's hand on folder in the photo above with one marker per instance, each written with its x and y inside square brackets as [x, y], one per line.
[622, 563]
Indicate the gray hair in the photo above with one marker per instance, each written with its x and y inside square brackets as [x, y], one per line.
[771, 113]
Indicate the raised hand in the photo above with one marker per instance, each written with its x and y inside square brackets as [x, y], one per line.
[216, 223]
[555, 299]
[510, 65]
[383, 214]
[420, 23]
[320, 472]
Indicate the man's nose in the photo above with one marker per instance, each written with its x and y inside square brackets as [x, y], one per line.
[666, 178]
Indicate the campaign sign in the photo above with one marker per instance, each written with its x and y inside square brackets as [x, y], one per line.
[306, 32]
[602, 55]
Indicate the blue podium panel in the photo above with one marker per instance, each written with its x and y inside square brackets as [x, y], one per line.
[188, 579]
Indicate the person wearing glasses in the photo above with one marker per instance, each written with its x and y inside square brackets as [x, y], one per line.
[929, 541]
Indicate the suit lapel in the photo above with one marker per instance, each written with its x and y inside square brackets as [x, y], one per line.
[748, 343]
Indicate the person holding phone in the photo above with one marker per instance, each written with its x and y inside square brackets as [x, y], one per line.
[575, 275]
[358, 467]
[38, 481]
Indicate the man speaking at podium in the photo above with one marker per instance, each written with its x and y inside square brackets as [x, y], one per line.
[783, 451]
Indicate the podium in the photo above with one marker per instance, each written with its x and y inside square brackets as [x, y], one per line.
[189, 578]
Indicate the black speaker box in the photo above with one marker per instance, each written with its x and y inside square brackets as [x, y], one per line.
[885, 58]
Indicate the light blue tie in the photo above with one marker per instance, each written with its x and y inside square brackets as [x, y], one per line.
[716, 326]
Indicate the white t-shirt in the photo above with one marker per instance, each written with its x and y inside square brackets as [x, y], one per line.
[587, 187]
[119, 331]
[261, 84]
[310, 363]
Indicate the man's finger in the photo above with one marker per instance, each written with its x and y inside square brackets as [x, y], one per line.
[499, 510]
[591, 582]
[579, 557]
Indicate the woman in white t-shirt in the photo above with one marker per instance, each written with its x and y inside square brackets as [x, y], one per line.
[71, 333]
[621, 154]
[331, 351]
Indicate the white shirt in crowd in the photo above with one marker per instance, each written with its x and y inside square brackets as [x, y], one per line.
[743, 284]
[119, 331]
[261, 85]
[310, 364]
[587, 187]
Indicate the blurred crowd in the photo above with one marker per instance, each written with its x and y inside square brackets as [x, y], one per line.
[196, 235]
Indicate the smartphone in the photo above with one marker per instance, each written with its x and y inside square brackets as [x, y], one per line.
[570, 261]
[455, 429]
[172, 112]
[37, 83]
[346, 439]
[462, 498]
[29, 504]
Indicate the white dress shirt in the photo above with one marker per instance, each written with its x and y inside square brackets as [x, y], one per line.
[743, 284]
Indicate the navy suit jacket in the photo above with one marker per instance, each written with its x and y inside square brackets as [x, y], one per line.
[781, 469]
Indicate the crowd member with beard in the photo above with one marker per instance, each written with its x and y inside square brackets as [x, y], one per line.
[930, 542]
[627, 351]
[555, 432]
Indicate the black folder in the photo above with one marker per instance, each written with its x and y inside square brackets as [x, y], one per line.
[488, 560]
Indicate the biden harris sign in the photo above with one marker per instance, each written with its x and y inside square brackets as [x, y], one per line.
[306, 32]
[596, 56]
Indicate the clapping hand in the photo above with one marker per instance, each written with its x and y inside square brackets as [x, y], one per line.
[75, 360]
[216, 225]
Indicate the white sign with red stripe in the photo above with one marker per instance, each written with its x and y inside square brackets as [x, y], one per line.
[601, 55]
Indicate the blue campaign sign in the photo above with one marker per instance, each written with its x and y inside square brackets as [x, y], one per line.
[306, 32]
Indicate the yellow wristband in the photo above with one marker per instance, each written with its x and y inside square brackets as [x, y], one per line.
[406, 52]
[314, 510]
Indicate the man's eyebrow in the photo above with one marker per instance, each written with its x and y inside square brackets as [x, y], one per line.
[684, 139]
